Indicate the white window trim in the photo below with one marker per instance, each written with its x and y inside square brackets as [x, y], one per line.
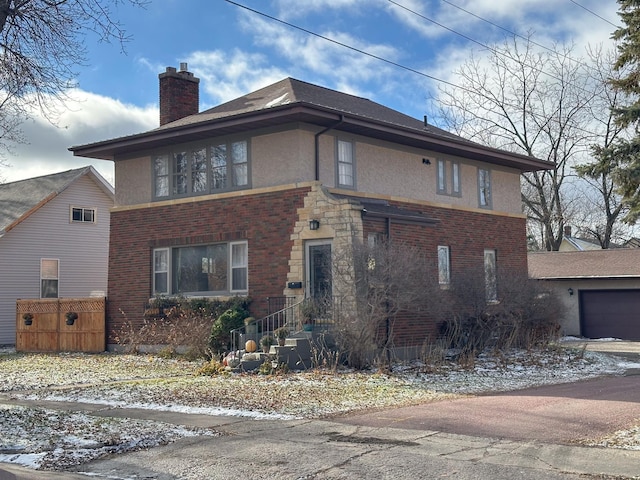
[57, 276]
[352, 163]
[167, 271]
[76, 207]
[230, 267]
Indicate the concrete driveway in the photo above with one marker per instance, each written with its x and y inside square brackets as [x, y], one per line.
[561, 414]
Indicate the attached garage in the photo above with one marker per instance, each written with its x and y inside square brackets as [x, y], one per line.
[600, 290]
[610, 314]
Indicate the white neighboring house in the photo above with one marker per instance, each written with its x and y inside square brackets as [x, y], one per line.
[54, 240]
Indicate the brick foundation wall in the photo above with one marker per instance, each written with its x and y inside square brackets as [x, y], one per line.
[265, 220]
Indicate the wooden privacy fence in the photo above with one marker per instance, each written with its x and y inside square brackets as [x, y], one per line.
[61, 325]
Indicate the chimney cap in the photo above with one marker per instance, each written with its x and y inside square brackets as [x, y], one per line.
[183, 67]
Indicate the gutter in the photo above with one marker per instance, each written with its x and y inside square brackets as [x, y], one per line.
[317, 145]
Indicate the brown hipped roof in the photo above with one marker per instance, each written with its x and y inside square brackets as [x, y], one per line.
[614, 263]
[289, 101]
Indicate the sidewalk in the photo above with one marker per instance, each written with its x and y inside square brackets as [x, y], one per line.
[626, 349]
[321, 449]
[395, 443]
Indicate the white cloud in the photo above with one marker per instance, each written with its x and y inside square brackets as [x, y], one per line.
[329, 63]
[228, 75]
[85, 118]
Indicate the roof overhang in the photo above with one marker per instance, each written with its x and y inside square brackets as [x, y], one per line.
[310, 114]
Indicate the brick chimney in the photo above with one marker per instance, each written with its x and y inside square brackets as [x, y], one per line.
[179, 94]
[567, 231]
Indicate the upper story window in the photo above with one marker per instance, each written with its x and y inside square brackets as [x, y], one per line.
[448, 177]
[346, 164]
[202, 169]
[83, 215]
[484, 188]
[213, 269]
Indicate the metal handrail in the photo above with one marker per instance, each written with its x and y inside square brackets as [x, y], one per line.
[286, 317]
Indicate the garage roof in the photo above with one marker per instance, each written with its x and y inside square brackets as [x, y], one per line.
[613, 263]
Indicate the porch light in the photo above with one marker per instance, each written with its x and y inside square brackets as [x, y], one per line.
[314, 224]
[570, 291]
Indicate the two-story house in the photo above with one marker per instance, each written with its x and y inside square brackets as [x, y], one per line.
[249, 197]
[54, 240]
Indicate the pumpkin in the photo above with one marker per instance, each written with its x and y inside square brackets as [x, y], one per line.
[250, 346]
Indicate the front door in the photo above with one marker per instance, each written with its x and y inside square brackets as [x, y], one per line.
[318, 266]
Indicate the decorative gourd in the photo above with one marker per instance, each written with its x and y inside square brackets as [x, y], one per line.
[250, 346]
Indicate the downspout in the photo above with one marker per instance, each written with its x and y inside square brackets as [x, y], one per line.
[317, 144]
[388, 318]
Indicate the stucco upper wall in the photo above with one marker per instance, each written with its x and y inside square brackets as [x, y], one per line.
[282, 157]
[133, 181]
[382, 168]
[288, 156]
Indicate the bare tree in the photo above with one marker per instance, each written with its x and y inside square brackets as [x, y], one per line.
[534, 103]
[42, 42]
[604, 209]
[374, 284]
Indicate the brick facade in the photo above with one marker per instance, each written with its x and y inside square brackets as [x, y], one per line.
[265, 220]
[467, 233]
[275, 224]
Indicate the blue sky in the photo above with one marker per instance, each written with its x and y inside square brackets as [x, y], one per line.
[234, 51]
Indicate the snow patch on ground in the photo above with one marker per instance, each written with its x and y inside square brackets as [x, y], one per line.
[47, 439]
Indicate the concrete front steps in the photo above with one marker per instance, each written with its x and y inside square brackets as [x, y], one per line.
[296, 354]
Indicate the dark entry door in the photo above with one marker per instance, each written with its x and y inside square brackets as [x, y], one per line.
[319, 283]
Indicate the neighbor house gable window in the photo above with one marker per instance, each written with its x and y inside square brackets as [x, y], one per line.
[346, 164]
[201, 169]
[49, 274]
[448, 177]
[83, 215]
[490, 275]
[211, 269]
[484, 188]
[444, 265]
